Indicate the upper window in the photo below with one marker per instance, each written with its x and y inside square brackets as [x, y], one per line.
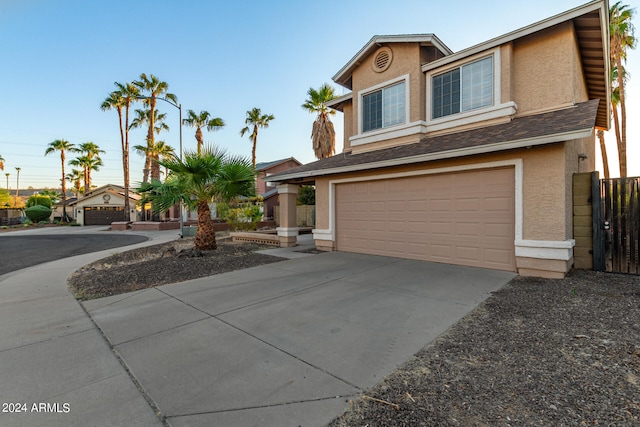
[463, 89]
[384, 107]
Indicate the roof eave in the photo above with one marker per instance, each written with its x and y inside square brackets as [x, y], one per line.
[516, 34]
[460, 152]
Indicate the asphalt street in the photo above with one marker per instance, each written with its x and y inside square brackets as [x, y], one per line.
[21, 251]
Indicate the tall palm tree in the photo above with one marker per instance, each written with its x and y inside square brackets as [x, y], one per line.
[201, 120]
[87, 164]
[255, 119]
[197, 180]
[92, 152]
[63, 146]
[17, 184]
[323, 135]
[151, 87]
[160, 151]
[603, 150]
[75, 178]
[7, 175]
[142, 118]
[119, 99]
[622, 38]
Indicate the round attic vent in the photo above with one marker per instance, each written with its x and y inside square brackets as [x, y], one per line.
[382, 59]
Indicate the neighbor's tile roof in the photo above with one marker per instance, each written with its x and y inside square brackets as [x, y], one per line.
[554, 126]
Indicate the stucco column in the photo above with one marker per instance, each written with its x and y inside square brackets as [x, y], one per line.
[288, 230]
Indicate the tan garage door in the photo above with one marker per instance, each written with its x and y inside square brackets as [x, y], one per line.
[464, 218]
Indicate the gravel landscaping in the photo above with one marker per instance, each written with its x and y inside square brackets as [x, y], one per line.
[539, 352]
[171, 262]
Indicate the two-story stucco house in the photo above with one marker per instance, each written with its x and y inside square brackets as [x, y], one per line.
[463, 157]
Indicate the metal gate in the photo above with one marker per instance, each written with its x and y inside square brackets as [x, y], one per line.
[617, 231]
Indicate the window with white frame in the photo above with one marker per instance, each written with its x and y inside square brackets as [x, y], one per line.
[270, 184]
[464, 88]
[384, 107]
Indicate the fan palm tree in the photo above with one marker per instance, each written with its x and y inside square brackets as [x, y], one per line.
[323, 135]
[63, 146]
[92, 152]
[201, 120]
[53, 195]
[75, 178]
[119, 99]
[143, 118]
[255, 119]
[197, 180]
[622, 38]
[151, 88]
[160, 151]
[87, 164]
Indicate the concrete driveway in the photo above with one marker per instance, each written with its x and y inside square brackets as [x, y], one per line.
[285, 344]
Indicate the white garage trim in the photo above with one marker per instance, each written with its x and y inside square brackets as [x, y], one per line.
[545, 249]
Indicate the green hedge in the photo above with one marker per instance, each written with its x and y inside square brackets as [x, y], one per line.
[38, 213]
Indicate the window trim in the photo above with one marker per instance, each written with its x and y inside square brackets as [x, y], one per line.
[388, 83]
[496, 110]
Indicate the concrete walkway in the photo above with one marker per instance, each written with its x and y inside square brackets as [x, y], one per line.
[281, 344]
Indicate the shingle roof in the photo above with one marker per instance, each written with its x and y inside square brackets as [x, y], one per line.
[555, 126]
[266, 165]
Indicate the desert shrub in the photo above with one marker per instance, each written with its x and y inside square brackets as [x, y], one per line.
[245, 217]
[37, 213]
[223, 210]
[39, 199]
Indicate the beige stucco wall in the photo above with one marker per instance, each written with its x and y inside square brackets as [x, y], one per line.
[406, 60]
[545, 66]
[347, 113]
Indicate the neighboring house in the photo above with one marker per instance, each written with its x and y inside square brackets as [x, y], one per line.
[103, 205]
[463, 157]
[268, 190]
[57, 209]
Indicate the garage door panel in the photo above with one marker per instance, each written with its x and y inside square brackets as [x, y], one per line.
[440, 205]
[468, 253]
[463, 218]
[469, 229]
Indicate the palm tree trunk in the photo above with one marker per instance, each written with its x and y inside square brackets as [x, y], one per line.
[155, 167]
[205, 239]
[64, 189]
[125, 160]
[255, 143]
[616, 127]
[150, 139]
[622, 147]
[86, 181]
[603, 150]
[199, 140]
[145, 171]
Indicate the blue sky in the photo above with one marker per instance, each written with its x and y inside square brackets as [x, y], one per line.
[60, 60]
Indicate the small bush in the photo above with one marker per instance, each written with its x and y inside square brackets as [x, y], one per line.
[38, 213]
[307, 195]
[245, 218]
